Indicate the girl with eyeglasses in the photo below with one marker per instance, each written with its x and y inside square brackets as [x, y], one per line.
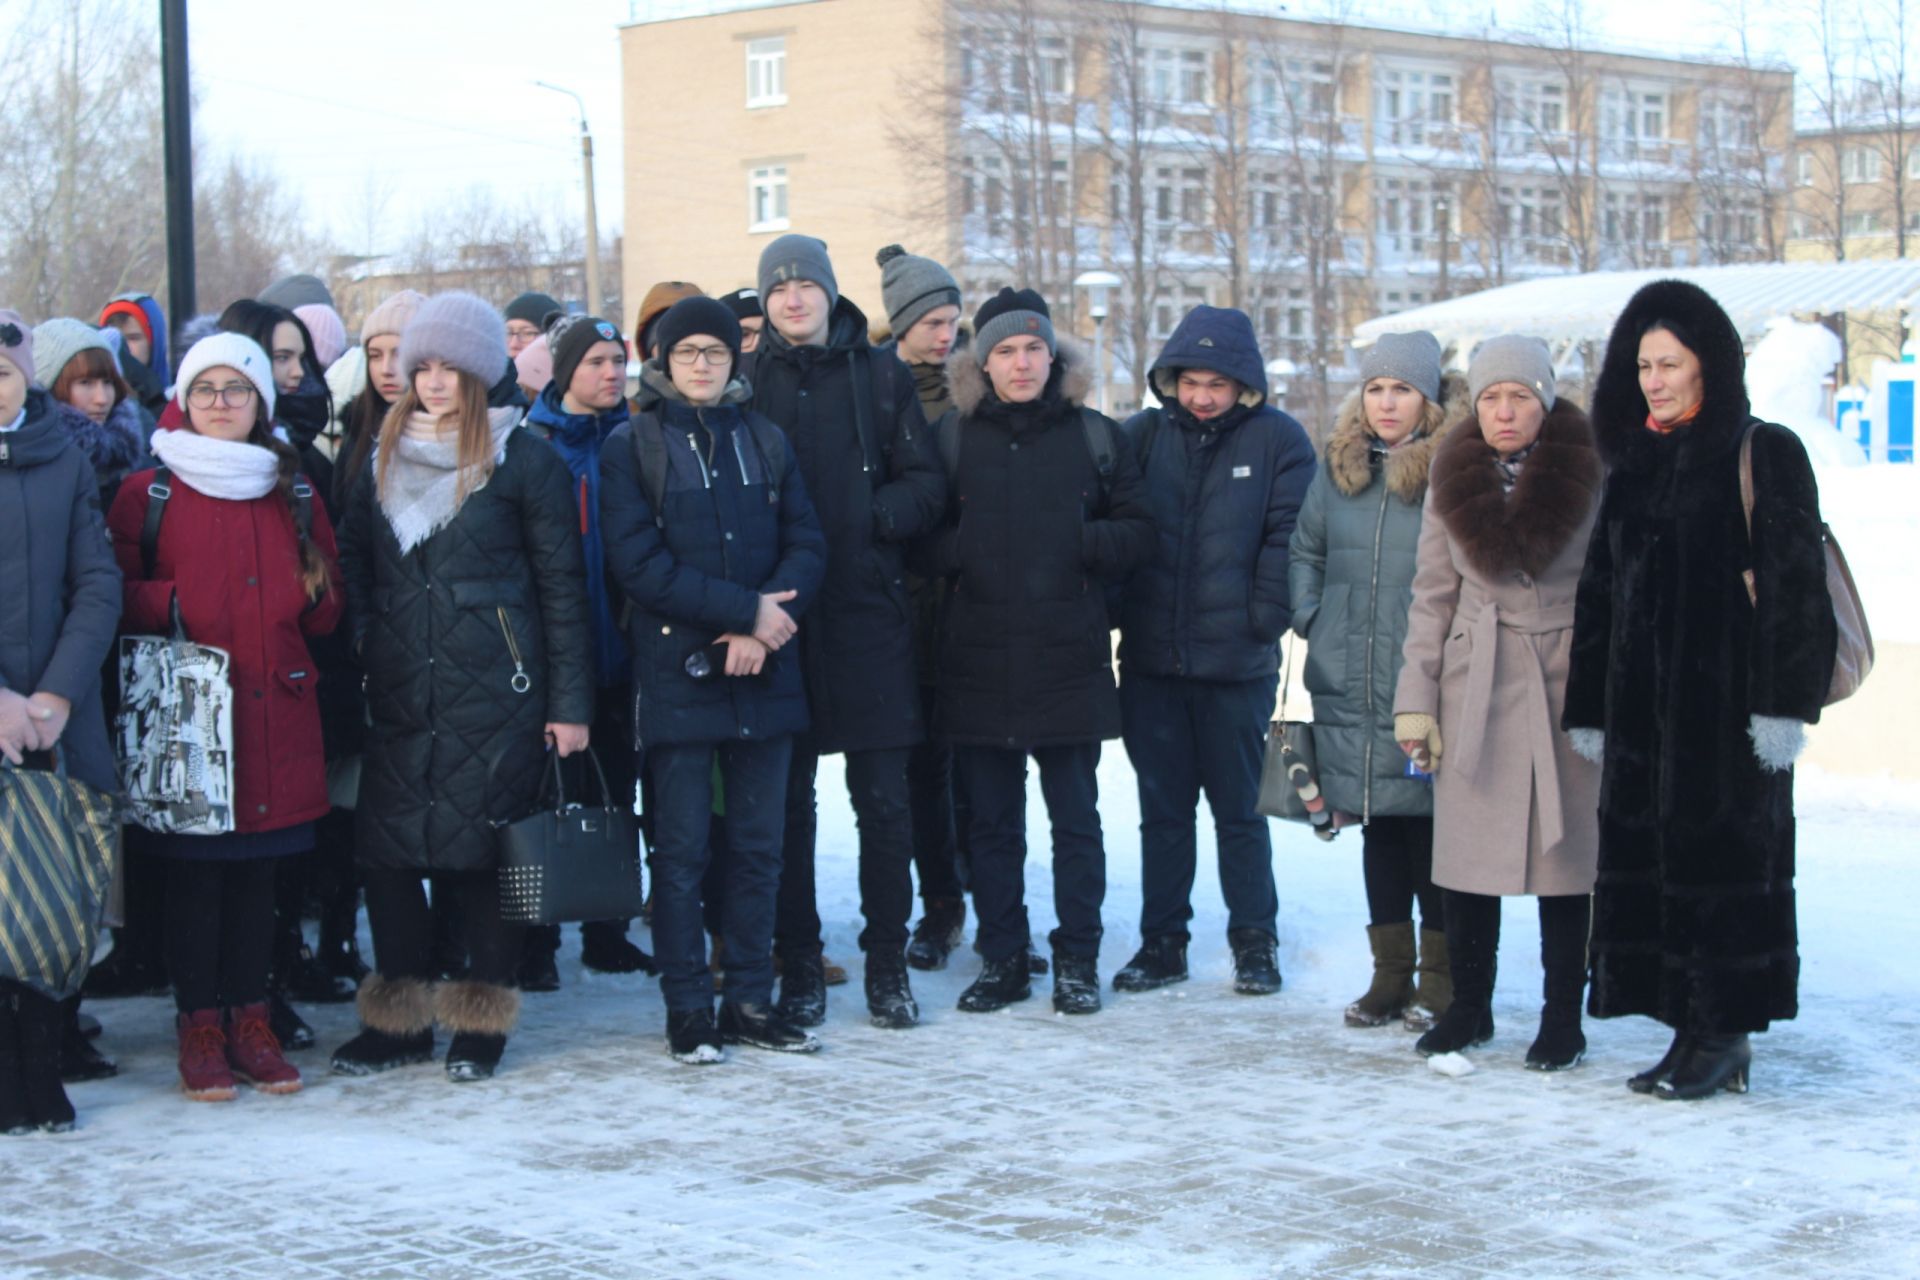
[244, 559]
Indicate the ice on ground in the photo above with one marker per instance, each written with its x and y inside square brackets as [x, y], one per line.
[1454, 1065]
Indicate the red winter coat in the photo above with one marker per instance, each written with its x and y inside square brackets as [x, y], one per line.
[235, 566]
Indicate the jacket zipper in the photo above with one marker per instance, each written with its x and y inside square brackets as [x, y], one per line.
[706, 478]
[521, 682]
[1373, 613]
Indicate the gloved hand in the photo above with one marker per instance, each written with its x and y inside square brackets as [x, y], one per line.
[1777, 741]
[1419, 736]
[1589, 744]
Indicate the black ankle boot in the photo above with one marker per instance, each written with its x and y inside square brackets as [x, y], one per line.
[890, 1002]
[1708, 1065]
[79, 1060]
[1160, 961]
[1076, 984]
[1646, 1081]
[803, 990]
[1001, 983]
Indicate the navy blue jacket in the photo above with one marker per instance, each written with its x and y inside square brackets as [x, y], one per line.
[1213, 603]
[700, 571]
[63, 588]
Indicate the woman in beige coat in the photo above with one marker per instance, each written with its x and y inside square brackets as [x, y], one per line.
[1509, 509]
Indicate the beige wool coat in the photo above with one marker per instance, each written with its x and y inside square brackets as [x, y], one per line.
[1486, 654]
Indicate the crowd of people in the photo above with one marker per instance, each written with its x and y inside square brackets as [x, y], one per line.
[447, 555]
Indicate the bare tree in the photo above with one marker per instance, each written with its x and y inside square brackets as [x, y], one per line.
[1888, 87]
[1831, 94]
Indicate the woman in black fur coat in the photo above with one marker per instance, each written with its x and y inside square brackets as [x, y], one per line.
[1694, 698]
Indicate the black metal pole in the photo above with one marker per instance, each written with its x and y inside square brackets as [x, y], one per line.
[177, 121]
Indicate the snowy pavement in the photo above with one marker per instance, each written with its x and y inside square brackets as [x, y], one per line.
[1187, 1132]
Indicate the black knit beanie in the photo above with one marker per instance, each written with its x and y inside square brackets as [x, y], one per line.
[569, 340]
[697, 317]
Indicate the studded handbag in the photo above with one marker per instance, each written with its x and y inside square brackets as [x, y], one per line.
[570, 860]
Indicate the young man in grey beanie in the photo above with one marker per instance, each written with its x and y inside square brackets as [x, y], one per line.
[860, 437]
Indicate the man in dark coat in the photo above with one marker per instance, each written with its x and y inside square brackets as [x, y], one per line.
[856, 426]
[1048, 512]
[1694, 694]
[1226, 473]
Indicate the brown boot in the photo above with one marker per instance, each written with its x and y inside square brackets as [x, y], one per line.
[1435, 995]
[1392, 989]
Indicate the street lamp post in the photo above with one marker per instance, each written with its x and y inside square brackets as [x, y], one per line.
[593, 223]
[1098, 284]
[1443, 216]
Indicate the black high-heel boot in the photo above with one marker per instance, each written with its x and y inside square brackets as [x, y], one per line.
[1473, 942]
[1647, 1080]
[13, 1081]
[40, 1018]
[1710, 1064]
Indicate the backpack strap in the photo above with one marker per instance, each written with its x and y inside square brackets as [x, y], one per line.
[772, 448]
[650, 452]
[1099, 430]
[946, 434]
[303, 508]
[157, 494]
[1746, 505]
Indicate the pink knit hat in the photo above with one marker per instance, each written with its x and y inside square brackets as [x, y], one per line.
[329, 335]
[533, 367]
[392, 316]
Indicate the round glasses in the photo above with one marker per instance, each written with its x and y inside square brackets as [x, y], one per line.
[235, 395]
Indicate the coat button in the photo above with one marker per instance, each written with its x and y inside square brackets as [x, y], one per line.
[258, 693]
[666, 631]
[253, 582]
[746, 731]
[729, 537]
[260, 808]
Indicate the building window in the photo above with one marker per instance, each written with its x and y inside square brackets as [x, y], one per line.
[1631, 119]
[1193, 197]
[767, 72]
[1797, 226]
[1806, 168]
[1178, 77]
[1860, 164]
[767, 199]
[1056, 70]
[1726, 125]
[1532, 110]
[1412, 107]
[1863, 224]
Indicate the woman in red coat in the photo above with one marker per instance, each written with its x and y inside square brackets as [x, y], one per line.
[232, 556]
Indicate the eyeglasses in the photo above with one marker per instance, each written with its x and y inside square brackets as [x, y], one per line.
[710, 355]
[235, 395]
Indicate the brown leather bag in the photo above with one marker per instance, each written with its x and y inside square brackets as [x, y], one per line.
[1853, 654]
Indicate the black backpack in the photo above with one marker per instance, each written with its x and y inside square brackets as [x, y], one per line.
[650, 452]
[1094, 425]
[162, 489]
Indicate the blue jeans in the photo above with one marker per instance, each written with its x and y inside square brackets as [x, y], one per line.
[995, 779]
[1184, 737]
[755, 777]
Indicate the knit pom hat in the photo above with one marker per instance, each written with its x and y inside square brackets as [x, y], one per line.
[294, 292]
[653, 306]
[234, 351]
[460, 329]
[392, 316]
[16, 343]
[533, 307]
[1412, 358]
[1009, 314]
[569, 340]
[1512, 357]
[698, 317]
[911, 286]
[797, 257]
[533, 367]
[324, 326]
[59, 340]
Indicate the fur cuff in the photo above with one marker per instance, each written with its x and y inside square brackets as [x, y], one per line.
[1777, 741]
[397, 1006]
[477, 1007]
[1589, 744]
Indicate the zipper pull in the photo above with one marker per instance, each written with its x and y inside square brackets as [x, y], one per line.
[520, 682]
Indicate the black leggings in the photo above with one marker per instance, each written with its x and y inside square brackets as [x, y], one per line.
[218, 930]
[402, 923]
[1396, 858]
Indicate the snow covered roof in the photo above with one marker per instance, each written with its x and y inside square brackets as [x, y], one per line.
[1577, 308]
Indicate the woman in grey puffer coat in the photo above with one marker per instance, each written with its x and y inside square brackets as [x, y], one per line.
[1351, 580]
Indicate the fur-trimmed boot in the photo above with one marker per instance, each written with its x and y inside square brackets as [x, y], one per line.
[479, 1015]
[1391, 990]
[396, 1027]
[1433, 982]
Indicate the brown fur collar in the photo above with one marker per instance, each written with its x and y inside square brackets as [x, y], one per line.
[1350, 468]
[1559, 483]
[1072, 380]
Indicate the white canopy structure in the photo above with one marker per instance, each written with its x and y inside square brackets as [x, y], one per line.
[1568, 310]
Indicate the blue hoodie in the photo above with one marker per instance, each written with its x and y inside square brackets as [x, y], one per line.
[578, 438]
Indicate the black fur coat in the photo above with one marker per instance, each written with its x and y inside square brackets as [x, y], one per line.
[1694, 906]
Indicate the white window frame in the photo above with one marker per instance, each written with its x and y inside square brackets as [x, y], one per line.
[1414, 91]
[1527, 99]
[766, 72]
[1859, 165]
[1169, 68]
[768, 190]
[1806, 168]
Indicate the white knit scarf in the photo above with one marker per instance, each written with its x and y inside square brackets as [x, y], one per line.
[230, 469]
[421, 492]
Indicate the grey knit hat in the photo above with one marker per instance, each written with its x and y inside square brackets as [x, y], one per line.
[1009, 314]
[797, 257]
[59, 340]
[911, 286]
[462, 330]
[302, 290]
[1412, 358]
[1512, 357]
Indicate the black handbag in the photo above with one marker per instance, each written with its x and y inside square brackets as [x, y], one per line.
[572, 861]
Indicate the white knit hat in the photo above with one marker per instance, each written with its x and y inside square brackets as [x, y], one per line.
[233, 351]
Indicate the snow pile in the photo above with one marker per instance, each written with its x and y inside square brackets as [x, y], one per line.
[1786, 380]
[1453, 1065]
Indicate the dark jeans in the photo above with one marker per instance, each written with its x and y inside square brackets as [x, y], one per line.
[755, 777]
[1185, 737]
[218, 930]
[401, 919]
[611, 735]
[877, 786]
[1396, 858]
[937, 840]
[996, 783]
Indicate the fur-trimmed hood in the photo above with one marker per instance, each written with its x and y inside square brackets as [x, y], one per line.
[1619, 407]
[114, 447]
[1349, 448]
[1558, 486]
[1071, 379]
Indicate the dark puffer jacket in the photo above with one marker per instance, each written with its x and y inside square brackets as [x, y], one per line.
[1026, 646]
[698, 573]
[1212, 603]
[855, 422]
[63, 589]
[454, 746]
